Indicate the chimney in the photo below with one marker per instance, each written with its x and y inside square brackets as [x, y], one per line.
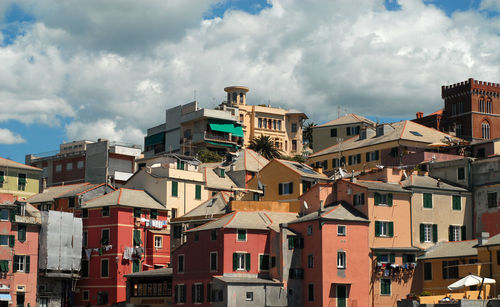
[438, 183]
[420, 114]
[483, 238]
[318, 170]
[321, 205]
[44, 184]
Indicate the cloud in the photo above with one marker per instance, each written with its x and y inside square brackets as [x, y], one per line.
[114, 69]
[8, 137]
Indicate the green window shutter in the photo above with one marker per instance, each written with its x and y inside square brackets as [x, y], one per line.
[291, 242]
[304, 187]
[21, 233]
[16, 264]
[1, 178]
[291, 187]
[422, 233]
[376, 197]
[280, 189]
[457, 202]
[12, 215]
[367, 157]
[153, 214]
[392, 258]
[201, 293]
[450, 233]
[247, 262]
[261, 257]
[377, 228]
[434, 233]
[27, 270]
[12, 241]
[137, 237]
[137, 212]
[175, 186]
[235, 261]
[198, 192]
[391, 229]
[389, 199]
[176, 293]
[427, 200]
[464, 233]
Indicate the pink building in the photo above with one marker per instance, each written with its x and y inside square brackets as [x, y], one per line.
[19, 228]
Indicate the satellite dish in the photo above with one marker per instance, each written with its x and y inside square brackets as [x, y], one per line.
[305, 205]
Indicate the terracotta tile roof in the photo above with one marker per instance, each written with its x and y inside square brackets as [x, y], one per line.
[56, 191]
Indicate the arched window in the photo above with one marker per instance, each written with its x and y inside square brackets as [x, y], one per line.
[481, 104]
[485, 130]
[488, 106]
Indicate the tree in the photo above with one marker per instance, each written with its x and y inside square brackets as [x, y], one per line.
[207, 156]
[307, 135]
[265, 146]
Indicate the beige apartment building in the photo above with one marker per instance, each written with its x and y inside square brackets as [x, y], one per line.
[284, 127]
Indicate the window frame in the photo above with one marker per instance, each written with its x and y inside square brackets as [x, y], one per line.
[310, 261]
[342, 233]
[181, 265]
[492, 198]
[453, 198]
[107, 268]
[388, 280]
[341, 260]
[262, 260]
[174, 190]
[212, 269]
[245, 234]
[105, 211]
[424, 201]
[160, 240]
[427, 270]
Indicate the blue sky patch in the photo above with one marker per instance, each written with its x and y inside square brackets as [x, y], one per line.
[253, 7]
[15, 22]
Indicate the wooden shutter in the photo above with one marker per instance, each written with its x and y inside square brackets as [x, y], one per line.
[464, 233]
[247, 262]
[376, 197]
[450, 233]
[377, 228]
[391, 229]
[280, 189]
[367, 157]
[201, 293]
[16, 264]
[198, 192]
[291, 187]
[27, 269]
[176, 293]
[235, 261]
[12, 241]
[422, 233]
[392, 258]
[434, 233]
[193, 293]
[175, 186]
[389, 199]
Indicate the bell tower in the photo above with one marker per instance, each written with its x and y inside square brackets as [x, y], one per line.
[236, 95]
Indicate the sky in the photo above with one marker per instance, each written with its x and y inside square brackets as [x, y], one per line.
[72, 70]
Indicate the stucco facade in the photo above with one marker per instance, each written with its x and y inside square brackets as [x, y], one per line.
[19, 179]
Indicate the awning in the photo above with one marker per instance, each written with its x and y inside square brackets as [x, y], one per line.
[220, 144]
[5, 297]
[227, 127]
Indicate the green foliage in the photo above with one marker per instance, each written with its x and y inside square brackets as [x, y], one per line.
[296, 158]
[207, 156]
[307, 133]
[265, 146]
[425, 293]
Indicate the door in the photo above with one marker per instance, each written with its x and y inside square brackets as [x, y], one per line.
[341, 296]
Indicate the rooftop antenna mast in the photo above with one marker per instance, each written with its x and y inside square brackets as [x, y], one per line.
[194, 94]
[338, 112]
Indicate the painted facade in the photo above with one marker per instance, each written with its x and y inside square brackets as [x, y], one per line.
[18, 179]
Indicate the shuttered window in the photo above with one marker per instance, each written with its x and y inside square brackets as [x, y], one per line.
[427, 200]
[197, 192]
[457, 202]
[175, 186]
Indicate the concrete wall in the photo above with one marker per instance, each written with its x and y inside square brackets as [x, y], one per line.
[10, 184]
[263, 295]
[448, 171]
[96, 162]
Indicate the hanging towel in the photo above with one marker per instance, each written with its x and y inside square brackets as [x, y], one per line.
[88, 253]
[127, 253]
[108, 247]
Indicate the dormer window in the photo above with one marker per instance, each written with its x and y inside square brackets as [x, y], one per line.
[362, 134]
[380, 130]
[222, 172]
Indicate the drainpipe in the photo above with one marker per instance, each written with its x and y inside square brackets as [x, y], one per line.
[411, 220]
[184, 198]
[469, 187]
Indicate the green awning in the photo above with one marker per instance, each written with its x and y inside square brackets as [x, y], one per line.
[220, 144]
[158, 138]
[238, 131]
[227, 127]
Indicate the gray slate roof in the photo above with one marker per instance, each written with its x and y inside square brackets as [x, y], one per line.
[341, 211]
[429, 183]
[56, 191]
[347, 119]
[246, 280]
[381, 186]
[124, 197]
[214, 181]
[151, 273]
[247, 160]
[13, 164]
[451, 250]
[79, 190]
[215, 205]
[255, 220]
[302, 169]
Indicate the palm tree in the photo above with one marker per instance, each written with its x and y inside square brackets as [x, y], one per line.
[307, 133]
[264, 146]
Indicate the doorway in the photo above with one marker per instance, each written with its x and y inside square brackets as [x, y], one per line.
[341, 296]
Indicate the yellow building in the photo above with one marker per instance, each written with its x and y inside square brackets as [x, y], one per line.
[19, 179]
[284, 127]
[342, 128]
[390, 145]
[488, 252]
[283, 180]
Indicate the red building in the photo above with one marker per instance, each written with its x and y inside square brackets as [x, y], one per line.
[123, 232]
[20, 226]
[334, 257]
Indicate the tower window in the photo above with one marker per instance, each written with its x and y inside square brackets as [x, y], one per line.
[485, 130]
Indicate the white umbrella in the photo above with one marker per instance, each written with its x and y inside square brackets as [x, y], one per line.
[470, 280]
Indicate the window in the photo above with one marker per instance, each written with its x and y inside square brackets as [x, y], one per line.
[427, 200]
[485, 130]
[428, 233]
[21, 182]
[341, 230]
[457, 202]
[296, 273]
[492, 200]
[4, 214]
[241, 262]
[84, 238]
[222, 173]
[196, 236]
[197, 194]
[180, 264]
[180, 164]
[21, 264]
[295, 242]
[105, 211]
[458, 130]
[333, 132]
[428, 271]
[137, 212]
[335, 163]
[359, 199]
[213, 262]
[481, 105]
[180, 293]
[384, 229]
[309, 230]
[310, 261]
[409, 258]
[153, 214]
[294, 127]
[213, 235]
[85, 295]
[383, 199]
[341, 260]
[488, 107]
[354, 159]
[79, 164]
[7, 240]
[456, 233]
[197, 293]
[264, 262]
[85, 213]
[274, 124]
[105, 236]
[450, 269]
[294, 145]
[385, 286]
[175, 186]
[177, 231]
[58, 168]
[85, 268]
[372, 156]
[249, 296]
[242, 235]
[104, 268]
[386, 258]
[310, 292]
[461, 173]
[380, 130]
[21, 233]
[174, 213]
[259, 121]
[285, 188]
[69, 166]
[158, 242]
[136, 265]
[2, 178]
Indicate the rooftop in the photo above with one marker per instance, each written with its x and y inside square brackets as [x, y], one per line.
[347, 119]
[381, 186]
[124, 197]
[302, 169]
[341, 211]
[451, 250]
[416, 181]
[49, 194]
[151, 273]
[13, 164]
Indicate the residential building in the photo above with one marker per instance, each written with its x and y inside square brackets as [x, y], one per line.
[439, 211]
[152, 288]
[283, 180]
[20, 227]
[338, 130]
[18, 179]
[232, 261]
[432, 120]
[332, 250]
[398, 144]
[243, 166]
[488, 258]
[123, 233]
[86, 161]
[284, 127]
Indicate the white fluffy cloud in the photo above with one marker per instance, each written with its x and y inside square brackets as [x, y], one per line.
[115, 68]
[8, 137]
